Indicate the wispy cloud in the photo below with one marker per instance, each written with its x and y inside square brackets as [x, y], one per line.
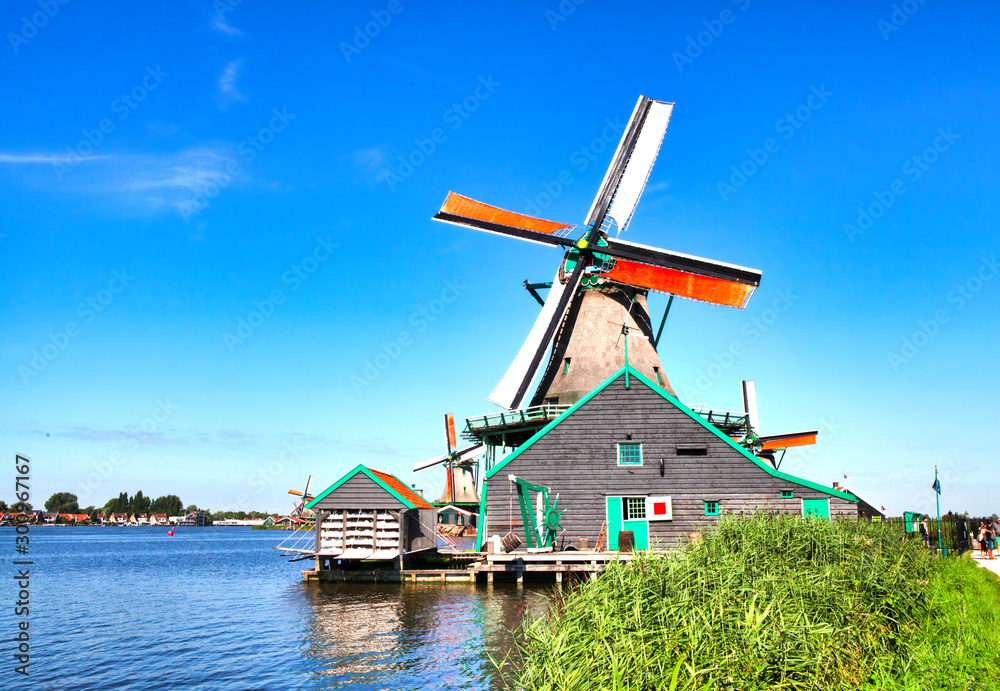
[227, 83]
[368, 161]
[44, 158]
[220, 25]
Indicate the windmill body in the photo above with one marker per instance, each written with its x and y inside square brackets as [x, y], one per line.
[599, 273]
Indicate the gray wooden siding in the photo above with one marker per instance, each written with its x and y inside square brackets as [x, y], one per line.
[421, 529]
[578, 461]
[360, 492]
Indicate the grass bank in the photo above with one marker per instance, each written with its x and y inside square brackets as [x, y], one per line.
[775, 602]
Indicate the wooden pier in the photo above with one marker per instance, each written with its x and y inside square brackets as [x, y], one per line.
[476, 567]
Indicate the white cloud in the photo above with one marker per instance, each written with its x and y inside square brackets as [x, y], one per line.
[220, 25]
[227, 83]
[44, 158]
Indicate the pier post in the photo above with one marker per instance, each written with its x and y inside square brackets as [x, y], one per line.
[489, 577]
[520, 579]
[559, 577]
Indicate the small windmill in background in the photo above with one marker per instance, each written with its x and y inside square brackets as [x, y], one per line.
[766, 446]
[300, 510]
[460, 469]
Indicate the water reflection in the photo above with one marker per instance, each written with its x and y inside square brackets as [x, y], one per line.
[414, 636]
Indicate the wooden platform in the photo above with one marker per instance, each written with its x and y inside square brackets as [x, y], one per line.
[473, 567]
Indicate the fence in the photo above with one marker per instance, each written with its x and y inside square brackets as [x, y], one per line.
[956, 533]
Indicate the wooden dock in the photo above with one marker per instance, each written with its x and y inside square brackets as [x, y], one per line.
[475, 567]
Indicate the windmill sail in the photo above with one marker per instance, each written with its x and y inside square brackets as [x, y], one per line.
[505, 394]
[464, 211]
[461, 455]
[626, 178]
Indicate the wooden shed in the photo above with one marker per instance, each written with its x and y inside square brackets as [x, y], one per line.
[373, 516]
[629, 456]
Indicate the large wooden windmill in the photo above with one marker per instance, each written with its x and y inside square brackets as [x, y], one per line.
[601, 278]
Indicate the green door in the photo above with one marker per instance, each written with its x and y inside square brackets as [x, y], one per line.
[639, 527]
[640, 530]
[816, 508]
[614, 521]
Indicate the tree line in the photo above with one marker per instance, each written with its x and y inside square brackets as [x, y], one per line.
[169, 504]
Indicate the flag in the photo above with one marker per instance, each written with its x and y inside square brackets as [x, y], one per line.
[883, 509]
[937, 485]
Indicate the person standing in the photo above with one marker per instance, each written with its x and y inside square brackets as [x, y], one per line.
[981, 536]
[925, 533]
[994, 531]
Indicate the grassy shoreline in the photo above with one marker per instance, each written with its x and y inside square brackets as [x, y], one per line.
[774, 602]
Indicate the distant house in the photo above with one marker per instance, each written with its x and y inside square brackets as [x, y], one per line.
[50, 517]
[77, 518]
[239, 522]
[195, 518]
[866, 509]
[158, 519]
[101, 518]
[119, 519]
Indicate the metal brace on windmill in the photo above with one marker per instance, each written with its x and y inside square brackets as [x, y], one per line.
[598, 275]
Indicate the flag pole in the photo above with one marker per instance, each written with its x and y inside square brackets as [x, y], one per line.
[937, 496]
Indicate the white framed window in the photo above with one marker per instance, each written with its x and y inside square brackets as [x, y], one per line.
[635, 508]
[630, 453]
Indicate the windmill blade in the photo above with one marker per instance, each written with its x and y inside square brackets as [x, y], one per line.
[750, 404]
[787, 441]
[461, 455]
[681, 274]
[305, 492]
[468, 212]
[512, 387]
[626, 177]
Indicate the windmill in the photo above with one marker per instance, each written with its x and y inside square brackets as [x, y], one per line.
[598, 273]
[460, 466]
[766, 446]
[300, 509]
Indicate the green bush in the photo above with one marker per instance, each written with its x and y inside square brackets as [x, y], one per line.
[773, 602]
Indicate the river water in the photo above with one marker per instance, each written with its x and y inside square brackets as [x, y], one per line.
[217, 608]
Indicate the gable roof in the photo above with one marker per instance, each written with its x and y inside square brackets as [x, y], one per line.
[390, 483]
[636, 375]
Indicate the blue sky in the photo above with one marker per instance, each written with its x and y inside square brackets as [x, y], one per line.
[168, 169]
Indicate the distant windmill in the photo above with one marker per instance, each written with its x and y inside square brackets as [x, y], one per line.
[765, 446]
[300, 509]
[598, 273]
[460, 466]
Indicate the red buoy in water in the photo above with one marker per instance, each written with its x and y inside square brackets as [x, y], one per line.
[170, 533]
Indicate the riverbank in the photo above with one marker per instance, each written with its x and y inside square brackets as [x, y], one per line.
[775, 602]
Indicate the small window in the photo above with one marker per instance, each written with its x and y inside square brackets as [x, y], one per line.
[635, 508]
[787, 494]
[566, 365]
[656, 370]
[711, 508]
[630, 453]
[692, 451]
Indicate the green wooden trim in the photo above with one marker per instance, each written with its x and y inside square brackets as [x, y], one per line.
[481, 528]
[361, 468]
[690, 413]
[709, 505]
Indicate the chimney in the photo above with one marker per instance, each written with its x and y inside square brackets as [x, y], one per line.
[836, 485]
